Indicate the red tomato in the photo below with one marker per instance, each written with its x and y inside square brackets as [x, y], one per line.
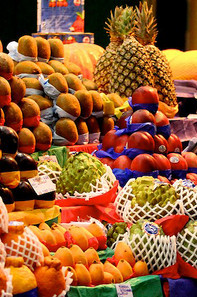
[109, 139]
[161, 144]
[122, 162]
[144, 163]
[120, 143]
[162, 162]
[191, 159]
[143, 116]
[161, 119]
[174, 144]
[177, 161]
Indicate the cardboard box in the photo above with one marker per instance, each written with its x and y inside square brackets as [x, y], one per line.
[60, 16]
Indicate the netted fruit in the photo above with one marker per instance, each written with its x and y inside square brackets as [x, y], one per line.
[52, 169]
[80, 173]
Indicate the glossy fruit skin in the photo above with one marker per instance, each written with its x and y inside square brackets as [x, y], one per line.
[163, 179]
[122, 162]
[191, 159]
[108, 161]
[174, 144]
[145, 94]
[120, 143]
[141, 140]
[177, 161]
[144, 163]
[161, 144]
[143, 116]
[162, 162]
[161, 119]
[109, 139]
[192, 177]
[121, 122]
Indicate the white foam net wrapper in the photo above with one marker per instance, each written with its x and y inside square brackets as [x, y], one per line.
[187, 246]
[103, 185]
[158, 251]
[45, 170]
[3, 217]
[28, 246]
[188, 198]
[2, 254]
[68, 281]
[131, 215]
[8, 292]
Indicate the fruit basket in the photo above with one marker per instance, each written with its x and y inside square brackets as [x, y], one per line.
[131, 214]
[188, 198]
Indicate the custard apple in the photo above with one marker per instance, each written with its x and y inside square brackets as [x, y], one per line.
[80, 171]
[52, 169]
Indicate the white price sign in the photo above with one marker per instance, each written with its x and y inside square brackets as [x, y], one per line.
[124, 290]
[52, 158]
[42, 184]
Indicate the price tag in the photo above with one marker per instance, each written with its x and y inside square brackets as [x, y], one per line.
[124, 290]
[42, 184]
[52, 158]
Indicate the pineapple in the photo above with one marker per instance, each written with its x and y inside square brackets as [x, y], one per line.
[131, 67]
[114, 28]
[146, 33]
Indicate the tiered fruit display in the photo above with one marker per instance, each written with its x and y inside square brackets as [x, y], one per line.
[45, 96]
[145, 146]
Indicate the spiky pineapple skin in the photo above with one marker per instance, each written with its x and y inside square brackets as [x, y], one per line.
[103, 67]
[163, 80]
[131, 68]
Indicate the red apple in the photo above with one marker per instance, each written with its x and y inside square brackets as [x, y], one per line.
[121, 122]
[161, 144]
[145, 94]
[120, 143]
[142, 116]
[141, 140]
[161, 119]
[108, 161]
[191, 159]
[163, 179]
[162, 162]
[174, 144]
[177, 161]
[144, 163]
[122, 162]
[109, 139]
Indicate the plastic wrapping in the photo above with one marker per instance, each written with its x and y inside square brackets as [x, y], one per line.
[3, 217]
[31, 91]
[12, 47]
[83, 139]
[62, 113]
[49, 89]
[46, 115]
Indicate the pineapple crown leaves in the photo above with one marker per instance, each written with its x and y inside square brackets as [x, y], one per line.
[122, 22]
[146, 26]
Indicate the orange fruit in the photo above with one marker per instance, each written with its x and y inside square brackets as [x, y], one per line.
[140, 268]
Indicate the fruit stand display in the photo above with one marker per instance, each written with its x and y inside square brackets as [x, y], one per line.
[97, 195]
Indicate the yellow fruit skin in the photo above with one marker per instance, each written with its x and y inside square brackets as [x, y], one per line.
[108, 278]
[65, 256]
[44, 226]
[45, 250]
[96, 273]
[59, 237]
[36, 231]
[59, 227]
[95, 229]
[48, 237]
[123, 251]
[74, 276]
[91, 255]
[108, 267]
[125, 269]
[78, 255]
[83, 275]
[79, 237]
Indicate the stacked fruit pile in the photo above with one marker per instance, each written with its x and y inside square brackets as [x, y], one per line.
[22, 263]
[143, 143]
[38, 85]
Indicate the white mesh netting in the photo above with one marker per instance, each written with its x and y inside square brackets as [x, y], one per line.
[8, 292]
[188, 198]
[43, 169]
[103, 185]
[28, 246]
[158, 251]
[3, 217]
[187, 246]
[131, 215]
[2, 254]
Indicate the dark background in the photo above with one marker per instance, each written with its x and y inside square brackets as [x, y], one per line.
[19, 17]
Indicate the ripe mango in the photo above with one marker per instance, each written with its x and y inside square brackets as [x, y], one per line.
[108, 267]
[83, 275]
[96, 273]
[125, 269]
[123, 251]
[78, 254]
[91, 255]
[65, 256]
[79, 237]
